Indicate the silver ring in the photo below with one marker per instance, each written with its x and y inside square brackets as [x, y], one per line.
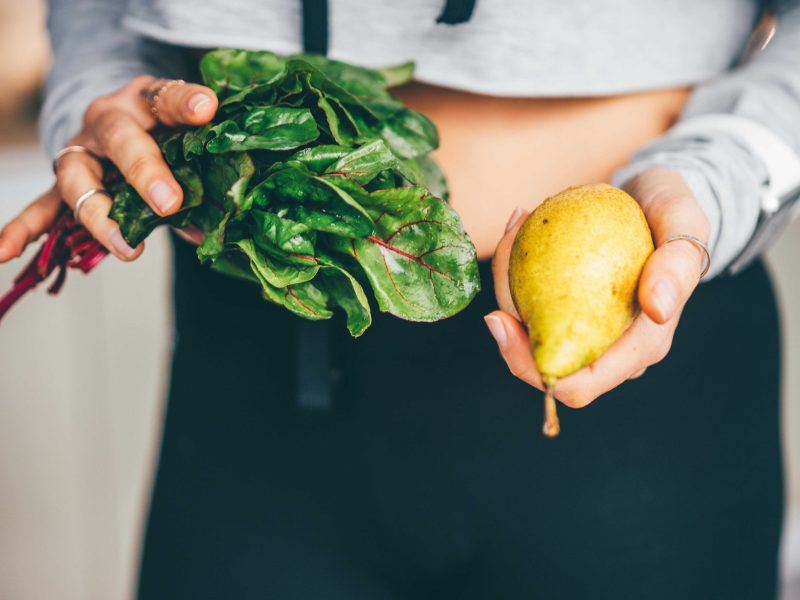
[69, 150]
[697, 242]
[85, 196]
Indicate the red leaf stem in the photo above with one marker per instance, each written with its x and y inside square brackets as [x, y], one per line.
[68, 246]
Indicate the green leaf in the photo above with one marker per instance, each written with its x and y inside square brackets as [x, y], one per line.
[365, 162]
[319, 158]
[228, 70]
[313, 221]
[170, 146]
[135, 218]
[214, 240]
[192, 185]
[398, 74]
[194, 141]
[358, 81]
[345, 291]
[303, 299]
[234, 264]
[273, 270]
[260, 119]
[286, 235]
[420, 263]
[409, 133]
[259, 134]
[315, 202]
[432, 176]
[225, 179]
[307, 300]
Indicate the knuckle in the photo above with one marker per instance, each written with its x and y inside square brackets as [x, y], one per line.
[93, 215]
[111, 131]
[137, 83]
[577, 398]
[516, 370]
[660, 351]
[523, 373]
[141, 167]
[96, 109]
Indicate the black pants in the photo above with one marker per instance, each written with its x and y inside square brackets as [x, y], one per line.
[429, 477]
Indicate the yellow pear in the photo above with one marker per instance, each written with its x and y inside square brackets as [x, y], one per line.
[574, 272]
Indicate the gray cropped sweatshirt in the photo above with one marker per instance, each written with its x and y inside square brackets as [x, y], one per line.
[523, 48]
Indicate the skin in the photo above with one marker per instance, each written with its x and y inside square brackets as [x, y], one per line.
[515, 152]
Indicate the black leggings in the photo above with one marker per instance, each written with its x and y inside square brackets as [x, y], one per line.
[428, 478]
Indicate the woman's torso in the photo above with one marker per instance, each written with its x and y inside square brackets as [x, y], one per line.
[529, 97]
[499, 153]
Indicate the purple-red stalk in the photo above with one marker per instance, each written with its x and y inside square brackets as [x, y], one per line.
[68, 246]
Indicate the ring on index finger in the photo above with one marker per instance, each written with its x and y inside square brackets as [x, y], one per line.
[700, 244]
[153, 93]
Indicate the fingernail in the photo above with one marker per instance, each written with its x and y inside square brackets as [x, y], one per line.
[665, 296]
[120, 245]
[199, 102]
[497, 329]
[163, 196]
[513, 219]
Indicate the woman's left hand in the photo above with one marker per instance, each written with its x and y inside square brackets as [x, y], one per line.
[669, 277]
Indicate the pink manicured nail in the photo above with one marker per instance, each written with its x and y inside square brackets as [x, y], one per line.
[163, 196]
[665, 297]
[513, 219]
[199, 102]
[497, 329]
[120, 245]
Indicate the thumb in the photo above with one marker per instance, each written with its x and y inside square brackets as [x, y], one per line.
[669, 278]
[186, 104]
[673, 271]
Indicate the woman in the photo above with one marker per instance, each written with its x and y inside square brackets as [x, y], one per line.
[425, 475]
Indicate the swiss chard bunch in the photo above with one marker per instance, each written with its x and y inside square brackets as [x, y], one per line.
[313, 181]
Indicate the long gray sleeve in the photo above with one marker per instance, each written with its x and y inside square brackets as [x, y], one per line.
[93, 55]
[724, 174]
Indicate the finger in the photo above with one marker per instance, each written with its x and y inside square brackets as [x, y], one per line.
[501, 259]
[668, 279]
[638, 374]
[32, 222]
[512, 341]
[673, 270]
[185, 104]
[139, 159]
[643, 344]
[76, 177]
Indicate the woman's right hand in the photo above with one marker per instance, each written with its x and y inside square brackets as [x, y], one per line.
[116, 127]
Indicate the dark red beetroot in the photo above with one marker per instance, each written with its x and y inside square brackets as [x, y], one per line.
[68, 246]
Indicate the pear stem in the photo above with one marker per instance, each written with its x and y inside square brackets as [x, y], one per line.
[551, 427]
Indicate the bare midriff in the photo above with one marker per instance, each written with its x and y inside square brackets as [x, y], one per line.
[500, 153]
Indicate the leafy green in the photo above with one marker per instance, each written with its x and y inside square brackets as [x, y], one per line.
[314, 182]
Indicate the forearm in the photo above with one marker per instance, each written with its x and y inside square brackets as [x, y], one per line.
[92, 55]
[724, 172]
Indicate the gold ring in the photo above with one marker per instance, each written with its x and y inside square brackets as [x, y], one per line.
[697, 242]
[69, 150]
[155, 91]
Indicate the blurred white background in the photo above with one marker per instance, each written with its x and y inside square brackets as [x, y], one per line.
[82, 380]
